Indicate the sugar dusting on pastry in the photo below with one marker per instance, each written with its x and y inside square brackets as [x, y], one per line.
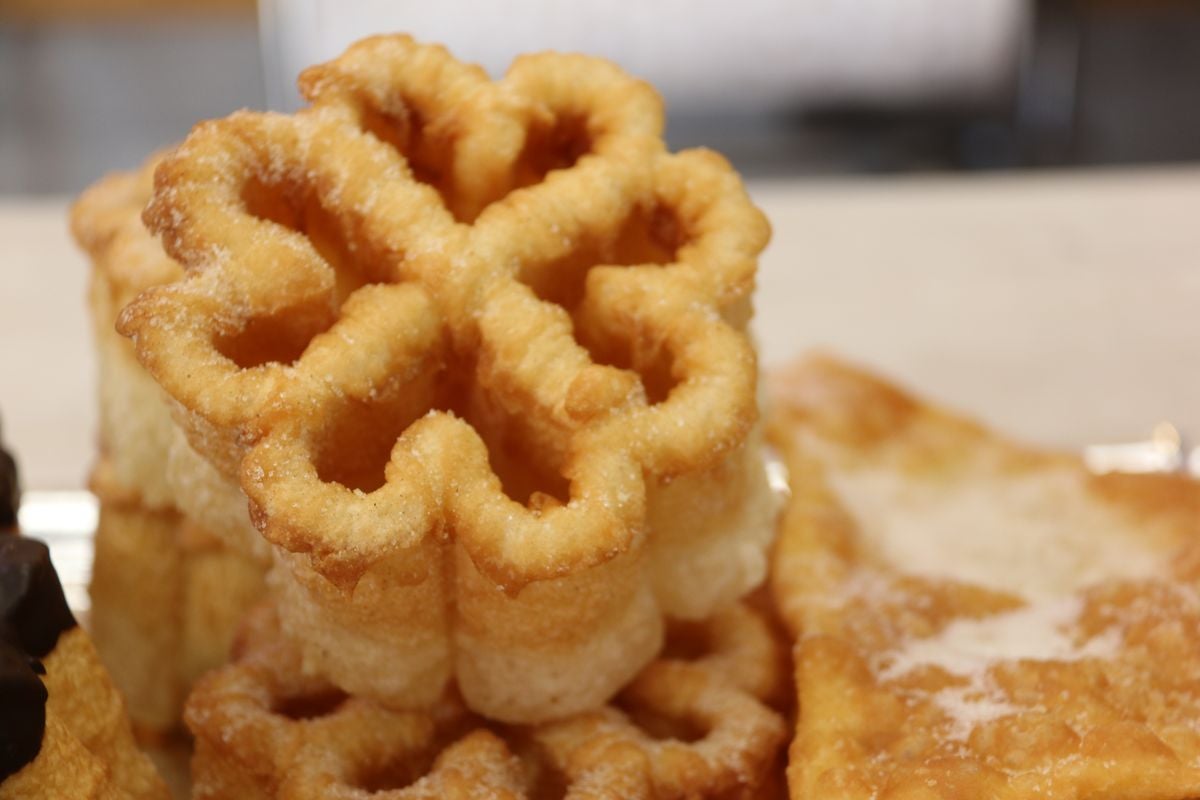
[1037, 535]
[975, 618]
[970, 648]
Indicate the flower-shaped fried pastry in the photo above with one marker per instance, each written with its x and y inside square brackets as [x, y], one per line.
[476, 352]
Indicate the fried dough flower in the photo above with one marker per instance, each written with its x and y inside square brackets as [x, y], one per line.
[476, 353]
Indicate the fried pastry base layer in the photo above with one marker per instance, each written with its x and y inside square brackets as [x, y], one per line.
[693, 724]
[974, 618]
[166, 600]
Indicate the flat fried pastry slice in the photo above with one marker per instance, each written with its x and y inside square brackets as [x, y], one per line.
[977, 619]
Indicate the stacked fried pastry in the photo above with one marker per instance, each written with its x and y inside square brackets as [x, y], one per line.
[167, 588]
[467, 362]
[975, 618]
[463, 363]
[476, 353]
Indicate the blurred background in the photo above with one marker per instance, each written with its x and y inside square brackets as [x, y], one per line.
[994, 201]
[782, 88]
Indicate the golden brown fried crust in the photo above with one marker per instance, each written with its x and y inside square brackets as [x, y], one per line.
[135, 423]
[88, 751]
[166, 596]
[106, 222]
[137, 599]
[693, 728]
[453, 335]
[923, 682]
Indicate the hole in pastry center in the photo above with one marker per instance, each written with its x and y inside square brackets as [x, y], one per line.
[661, 727]
[654, 368]
[648, 236]
[687, 641]
[278, 338]
[557, 144]
[548, 783]
[297, 208]
[282, 337]
[357, 443]
[310, 706]
[397, 773]
[429, 157]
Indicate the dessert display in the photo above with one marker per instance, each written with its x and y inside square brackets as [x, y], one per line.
[476, 354]
[63, 729]
[167, 592]
[975, 618]
[431, 466]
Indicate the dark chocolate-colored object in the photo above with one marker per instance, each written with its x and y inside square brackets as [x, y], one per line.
[22, 711]
[10, 491]
[33, 614]
[32, 606]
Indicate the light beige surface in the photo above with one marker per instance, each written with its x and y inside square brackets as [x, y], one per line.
[1061, 307]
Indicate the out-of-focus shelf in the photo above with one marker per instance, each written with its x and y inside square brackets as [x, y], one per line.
[66, 521]
[105, 10]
